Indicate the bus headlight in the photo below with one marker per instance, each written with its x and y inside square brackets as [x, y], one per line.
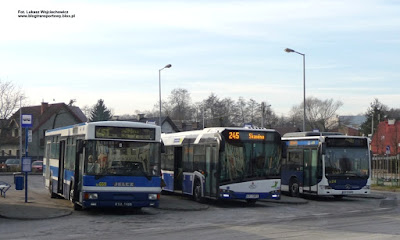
[91, 196]
[154, 196]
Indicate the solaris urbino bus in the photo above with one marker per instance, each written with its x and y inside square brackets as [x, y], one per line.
[326, 164]
[223, 163]
[104, 164]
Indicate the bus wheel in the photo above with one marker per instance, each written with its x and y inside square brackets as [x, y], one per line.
[294, 187]
[197, 191]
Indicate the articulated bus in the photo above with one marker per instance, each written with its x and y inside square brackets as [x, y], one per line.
[326, 164]
[104, 164]
[223, 163]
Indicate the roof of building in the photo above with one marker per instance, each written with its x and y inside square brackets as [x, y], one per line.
[42, 113]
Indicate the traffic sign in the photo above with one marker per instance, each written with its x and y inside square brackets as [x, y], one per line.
[26, 120]
[26, 164]
[387, 149]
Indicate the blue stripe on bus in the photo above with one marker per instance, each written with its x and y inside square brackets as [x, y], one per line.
[169, 181]
[243, 195]
[347, 184]
[187, 184]
[301, 142]
[286, 175]
[121, 181]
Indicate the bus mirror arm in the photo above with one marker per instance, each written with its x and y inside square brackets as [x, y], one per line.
[323, 148]
[162, 147]
[81, 145]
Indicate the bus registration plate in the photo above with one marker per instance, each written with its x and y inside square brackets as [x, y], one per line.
[347, 192]
[252, 196]
[123, 204]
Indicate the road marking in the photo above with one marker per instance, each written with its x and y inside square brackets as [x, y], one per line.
[320, 214]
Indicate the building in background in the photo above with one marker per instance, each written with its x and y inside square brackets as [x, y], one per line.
[45, 116]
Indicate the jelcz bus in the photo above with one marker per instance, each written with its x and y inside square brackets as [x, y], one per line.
[326, 164]
[104, 164]
[223, 163]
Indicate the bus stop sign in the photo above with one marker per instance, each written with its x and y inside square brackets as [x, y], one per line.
[26, 120]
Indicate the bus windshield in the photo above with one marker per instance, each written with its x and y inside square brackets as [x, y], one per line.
[349, 161]
[250, 160]
[122, 158]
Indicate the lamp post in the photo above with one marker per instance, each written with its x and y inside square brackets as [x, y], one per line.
[304, 85]
[159, 89]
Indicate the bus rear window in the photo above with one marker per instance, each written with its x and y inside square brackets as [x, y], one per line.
[346, 142]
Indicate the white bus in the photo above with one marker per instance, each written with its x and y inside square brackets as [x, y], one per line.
[326, 164]
[223, 163]
[104, 164]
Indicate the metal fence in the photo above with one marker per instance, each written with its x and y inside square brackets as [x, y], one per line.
[385, 170]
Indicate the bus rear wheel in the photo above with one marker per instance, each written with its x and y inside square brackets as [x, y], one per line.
[294, 187]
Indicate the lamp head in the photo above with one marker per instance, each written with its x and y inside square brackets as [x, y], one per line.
[168, 66]
[289, 50]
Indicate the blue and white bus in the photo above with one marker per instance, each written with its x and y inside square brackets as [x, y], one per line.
[223, 163]
[104, 164]
[325, 164]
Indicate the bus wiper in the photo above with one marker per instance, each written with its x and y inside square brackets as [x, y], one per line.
[138, 166]
[145, 174]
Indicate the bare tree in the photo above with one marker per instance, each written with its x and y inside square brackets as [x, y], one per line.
[10, 97]
[180, 101]
[319, 113]
[241, 106]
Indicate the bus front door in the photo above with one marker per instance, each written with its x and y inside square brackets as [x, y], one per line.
[211, 169]
[178, 169]
[310, 168]
[60, 187]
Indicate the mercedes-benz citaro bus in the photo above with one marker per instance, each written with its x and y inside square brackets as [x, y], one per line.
[223, 163]
[325, 164]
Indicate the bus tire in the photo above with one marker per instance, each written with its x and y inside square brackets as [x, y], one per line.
[197, 191]
[294, 187]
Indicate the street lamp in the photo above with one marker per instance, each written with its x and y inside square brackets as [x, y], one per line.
[304, 85]
[159, 89]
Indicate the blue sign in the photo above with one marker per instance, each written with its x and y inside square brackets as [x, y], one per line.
[26, 164]
[387, 149]
[26, 120]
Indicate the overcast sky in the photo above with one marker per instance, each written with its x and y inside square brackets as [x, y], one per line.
[113, 50]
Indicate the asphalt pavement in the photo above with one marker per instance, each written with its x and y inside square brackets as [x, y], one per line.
[39, 205]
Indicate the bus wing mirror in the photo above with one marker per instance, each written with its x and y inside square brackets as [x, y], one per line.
[80, 146]
[162, 147]
[284, 150]
[222, 146]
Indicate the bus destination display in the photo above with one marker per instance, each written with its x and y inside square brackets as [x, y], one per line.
[125, 133]
[249, 136]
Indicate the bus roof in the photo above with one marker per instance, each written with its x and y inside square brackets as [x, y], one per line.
[88, 127]
[170, 138]
[310, 134]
